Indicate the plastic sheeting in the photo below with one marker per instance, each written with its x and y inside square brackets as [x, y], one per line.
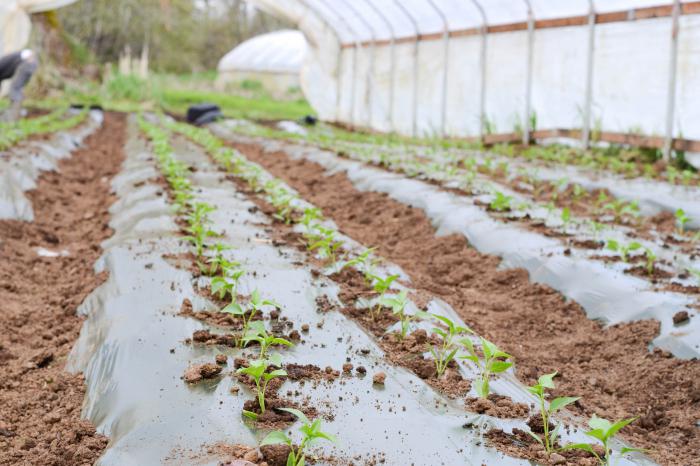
[275, 52]
[274, 59]
[522, 68]
[15, 25]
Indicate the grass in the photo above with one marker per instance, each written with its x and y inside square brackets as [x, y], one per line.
[174, 94]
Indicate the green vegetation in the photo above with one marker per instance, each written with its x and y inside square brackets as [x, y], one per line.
[446, 351]
[549, 438]
[622, 249]
[501, 202]
[604, 430]
[13, 132]
[397, 303]
[253, 307]
[258, 371]
[257, 333]
[681, 219]
[324, 240]
[380, 286]
[311, 432]
[132, 94]
[494, 361]
[650, 260]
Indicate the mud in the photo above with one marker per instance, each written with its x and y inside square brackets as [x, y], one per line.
[40, 404]
[610, 367]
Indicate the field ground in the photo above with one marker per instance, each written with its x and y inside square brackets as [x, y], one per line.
[119, 255]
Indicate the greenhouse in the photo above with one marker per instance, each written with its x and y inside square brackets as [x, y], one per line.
[350, 232]
[273, 59]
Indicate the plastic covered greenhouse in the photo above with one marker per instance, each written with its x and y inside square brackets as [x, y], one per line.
[509, 67]
[275, 59]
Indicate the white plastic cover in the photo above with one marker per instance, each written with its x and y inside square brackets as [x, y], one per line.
[350, 79]
[275, 52]
[15, 25]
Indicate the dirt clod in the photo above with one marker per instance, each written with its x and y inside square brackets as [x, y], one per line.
[680, 317]
[221, 359]
[199, 372]
[379, 378]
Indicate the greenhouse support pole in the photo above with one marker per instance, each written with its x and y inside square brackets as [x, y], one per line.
[353, 34]
[482, 66]
[353, 86]
[445, 68]
[416, 61]
[327, 24]
[392, 60]
[672, 72]
[528, 78]
[370, 72]
[339, 83]
[587, 105]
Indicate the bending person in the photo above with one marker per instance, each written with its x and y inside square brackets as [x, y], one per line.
[18, 66]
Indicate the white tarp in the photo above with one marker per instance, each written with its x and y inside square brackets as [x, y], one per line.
[15, 25]
[631, 65]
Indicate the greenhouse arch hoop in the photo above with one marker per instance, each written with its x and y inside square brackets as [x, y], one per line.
[617, 71]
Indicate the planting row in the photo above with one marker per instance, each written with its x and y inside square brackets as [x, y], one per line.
[11, 133]
[20, 166]
[136, 344]
[623, 163]
[446, 338]
[606, 291]
[605, 198]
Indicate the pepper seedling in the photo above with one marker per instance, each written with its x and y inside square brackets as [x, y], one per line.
[257, 370]
[651, 260]
[227, 282]
[446, 351]
[604, 430]
[254, 306]
[620, 208]
[198, 233]
[364, 262]
[545, 382]
[311, 432]
[623, 249]
[495, 361]
[257, 332]
[397, 303]
[501, 202]
[380, 286]
[682, 220]
[327, 244]
[281, 199]
[311, 214]
[217, 261]
[566, 216]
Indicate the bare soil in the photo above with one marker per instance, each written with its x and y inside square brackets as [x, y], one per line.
[611, 368]
[40, 403]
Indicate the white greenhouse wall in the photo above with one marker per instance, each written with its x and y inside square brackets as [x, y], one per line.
[630, 79]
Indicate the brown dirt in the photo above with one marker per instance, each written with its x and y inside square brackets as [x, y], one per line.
[498, 406]
[40, 404]
[610, 368]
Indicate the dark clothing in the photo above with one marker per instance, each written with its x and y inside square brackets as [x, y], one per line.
[9, 64]
[20, 70]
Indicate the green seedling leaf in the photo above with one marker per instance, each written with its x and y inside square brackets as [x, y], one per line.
[558, 403]
[275, 438]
